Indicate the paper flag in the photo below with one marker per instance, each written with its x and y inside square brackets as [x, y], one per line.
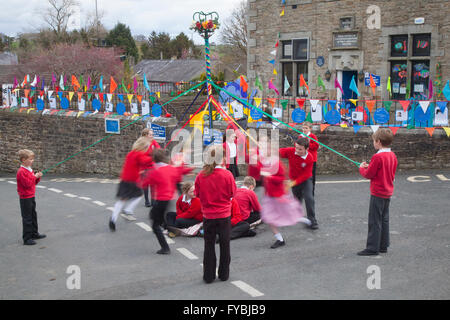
[375, 128]
[33, 84]
[27, 92]
[71, 95]
[272, 61]
[424, 105]
[356, 128]
[258, 83]
[274, 52]
[275, 71]
[146, 83]
[257, 101]
[323, 127]
[130, 97]
[109, 96]
[53, 79]
[75, 83]
[112, 86]
[430, 131]
[80, 94]
[286, 84]
[158, 94]
[320, 83]
[282, 13]
[389, 87]
[447, 131]
[372, 84]
[100, 84]
[370, 104]
[303, 82]
[404, 104]
[430, 89]
[243, 84]
[100, 95]
[441, 105]
[276, 44]
[24, 82]
[49, 94]
[89, 83]
[394, 130]
[338, 85]
[135, 85]
[354, 87]
[387, 105]
[61, 82]
[139, 97]
[271, 86]
[284, 104]
[301, 102]
[272, 101]
[446, 90]
[353, 101]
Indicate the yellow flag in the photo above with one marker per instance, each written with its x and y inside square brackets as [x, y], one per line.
[257, 101]
[447, 131]
[79, 113]
[30, 110]
[275, 71]
[282, 13]
[130, 97]
[353, 101]
[70, 95]
[344, 125]
[158, 94]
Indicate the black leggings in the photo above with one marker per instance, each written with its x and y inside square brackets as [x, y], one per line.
[157, 216]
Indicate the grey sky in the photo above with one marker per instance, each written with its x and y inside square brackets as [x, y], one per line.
[142, 16]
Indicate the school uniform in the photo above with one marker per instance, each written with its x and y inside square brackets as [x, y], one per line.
[163, 182]
[232, 158]
[381, 172]
[153, 145]
[189, 213]
[26, 188]
[248, 204]
[215, 192]
[300, 172]
[239, 227]
[313, 147]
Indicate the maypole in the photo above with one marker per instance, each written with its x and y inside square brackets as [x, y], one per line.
[205, 24]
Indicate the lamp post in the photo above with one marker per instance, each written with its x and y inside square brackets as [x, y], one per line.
[205, 24]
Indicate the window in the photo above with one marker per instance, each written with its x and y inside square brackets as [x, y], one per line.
[301, 49]
[294, 62]
[420, 79]
[287, 49]
[399, 75]
[287, 74]
[421, 45]
[399, 46]
[346, 23]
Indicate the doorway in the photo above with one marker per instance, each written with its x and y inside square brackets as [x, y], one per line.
[346, 80]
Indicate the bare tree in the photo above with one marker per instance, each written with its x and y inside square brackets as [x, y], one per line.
[58, 14]
[234, 31]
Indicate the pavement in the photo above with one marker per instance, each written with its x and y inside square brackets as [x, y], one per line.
[82, 259]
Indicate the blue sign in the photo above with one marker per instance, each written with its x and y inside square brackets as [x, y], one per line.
[96, 104]
[120, 108]
[333, 117]
[159, 132]
[40, 104]
[320, 61]
[65, 103]
[112, 126]
[156, 110]
[376, 79]
[255, 114]
[381, 116]
[298, 115]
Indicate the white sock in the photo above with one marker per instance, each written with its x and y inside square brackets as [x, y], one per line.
[131, 205]
[279, 237]
[117, 209]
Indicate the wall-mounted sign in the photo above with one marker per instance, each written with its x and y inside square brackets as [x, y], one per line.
[112, 126]
[159, 132]
[320, 61]
[376, 79]
[342, 40]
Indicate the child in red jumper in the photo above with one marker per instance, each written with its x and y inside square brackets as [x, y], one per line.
[148, 133]
[189, 209]
[248, 201]
[129, 193]
[26, 188]
[239, 227]
[163, 181]
[300, 173]
[215, 186]
[313, 147]
[381, 172]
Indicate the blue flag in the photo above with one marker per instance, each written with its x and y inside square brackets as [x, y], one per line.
[100, 84]
[446, 90]
[146, 83]
[353, 87]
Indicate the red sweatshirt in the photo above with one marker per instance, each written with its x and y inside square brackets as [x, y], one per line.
[163, 181]
[381, 172]
[236, 216]
[26, 183]
[248, 202]
[135, 161]
[189, 211]
[215, 192]
[254, 170]
[300, 169]
[313, 145]
[274, 184]
[153, 145]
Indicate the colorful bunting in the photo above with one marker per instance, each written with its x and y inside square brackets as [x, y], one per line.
[430, 131]
[370, 104]
[354, 87]
[301, 102]
[446, 90]
[394, 130]
[75, 83]
[286, 84]
[447, 131]
[320, 83]
[258, 83]
[338, 85]
[243, 84]
[405, 104]
[303, 82]
[113, 85]
[372, 84]
[271, 86]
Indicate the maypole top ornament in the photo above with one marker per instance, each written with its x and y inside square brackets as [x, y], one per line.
[205, 23]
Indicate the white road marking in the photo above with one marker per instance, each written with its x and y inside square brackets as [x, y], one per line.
[85, 198]
[70, 195]
[109, 208]
[12, 182]
[41, 187]
[185, 252]
[144, 226]
[99, 203]
[55, 190]
[1, 179]
[344, 181]
[247, 288]
[169, 241]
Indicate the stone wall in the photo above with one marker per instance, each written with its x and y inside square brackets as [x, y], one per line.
[55, 138]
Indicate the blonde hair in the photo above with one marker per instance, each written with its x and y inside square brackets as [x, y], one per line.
[186, 187]
[213, 152]
[249, 181]
[141, 144]
[145, 132]
[25, 154]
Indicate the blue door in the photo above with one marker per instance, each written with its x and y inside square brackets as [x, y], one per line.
[346, 80]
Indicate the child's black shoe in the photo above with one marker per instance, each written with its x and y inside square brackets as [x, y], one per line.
[29, 242]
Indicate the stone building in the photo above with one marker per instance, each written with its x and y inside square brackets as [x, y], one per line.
[345, 39]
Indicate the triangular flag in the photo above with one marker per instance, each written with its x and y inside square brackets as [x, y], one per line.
[394, 129]
[447, 131]
[276, 44]
[100, 84]
[441, 105]
[272, 101]
[274, 52]
[112, 86]
[124, 87]
[284, 104]
[282, 13]
[405, 104]
[100, 95]
[257, 101]
[286, 84]
[53, 79]
[374, 128]
[430, 131]
[130, 97]
[338, 85]
[356, 128]
[109, 96]
[71, 95]
[139, 97]
[243, 84]
[33, 84]
[303, 82]
[271, 86]
[88, 85]
[272, 61]
[146, 83]
[258, 83]
[354, 87]
[27, 92]
[387, 105]
[275, 71]
[372, 84]
[158, 94]
[424, 105]
[389, 87]
[80, 95]
[353, 101]
[301, 102]
[135, 85]
[446, 90]
[323, 127]
[15, 83]
[75, 83]
[24, 82]
[49, 94]
[370, 104]
[430, 89]
[320, 83]
[61, 82]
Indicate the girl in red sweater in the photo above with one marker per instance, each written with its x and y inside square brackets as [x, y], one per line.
[148, 133]
[129, 193]
[279, 208]
[189, 209]
[215, 186]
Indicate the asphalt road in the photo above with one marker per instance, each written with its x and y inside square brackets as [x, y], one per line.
[321, 264]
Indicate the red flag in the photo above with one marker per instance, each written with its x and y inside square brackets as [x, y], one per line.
[75, 83]
[372, 84]
[394, 129]
[244, 84]
[303, 82]
[301, 102]
[370, 104]
[112, 86]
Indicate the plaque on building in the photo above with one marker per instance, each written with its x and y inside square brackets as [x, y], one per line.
[346, 40]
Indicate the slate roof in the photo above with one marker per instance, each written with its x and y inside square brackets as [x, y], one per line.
[171, 70]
